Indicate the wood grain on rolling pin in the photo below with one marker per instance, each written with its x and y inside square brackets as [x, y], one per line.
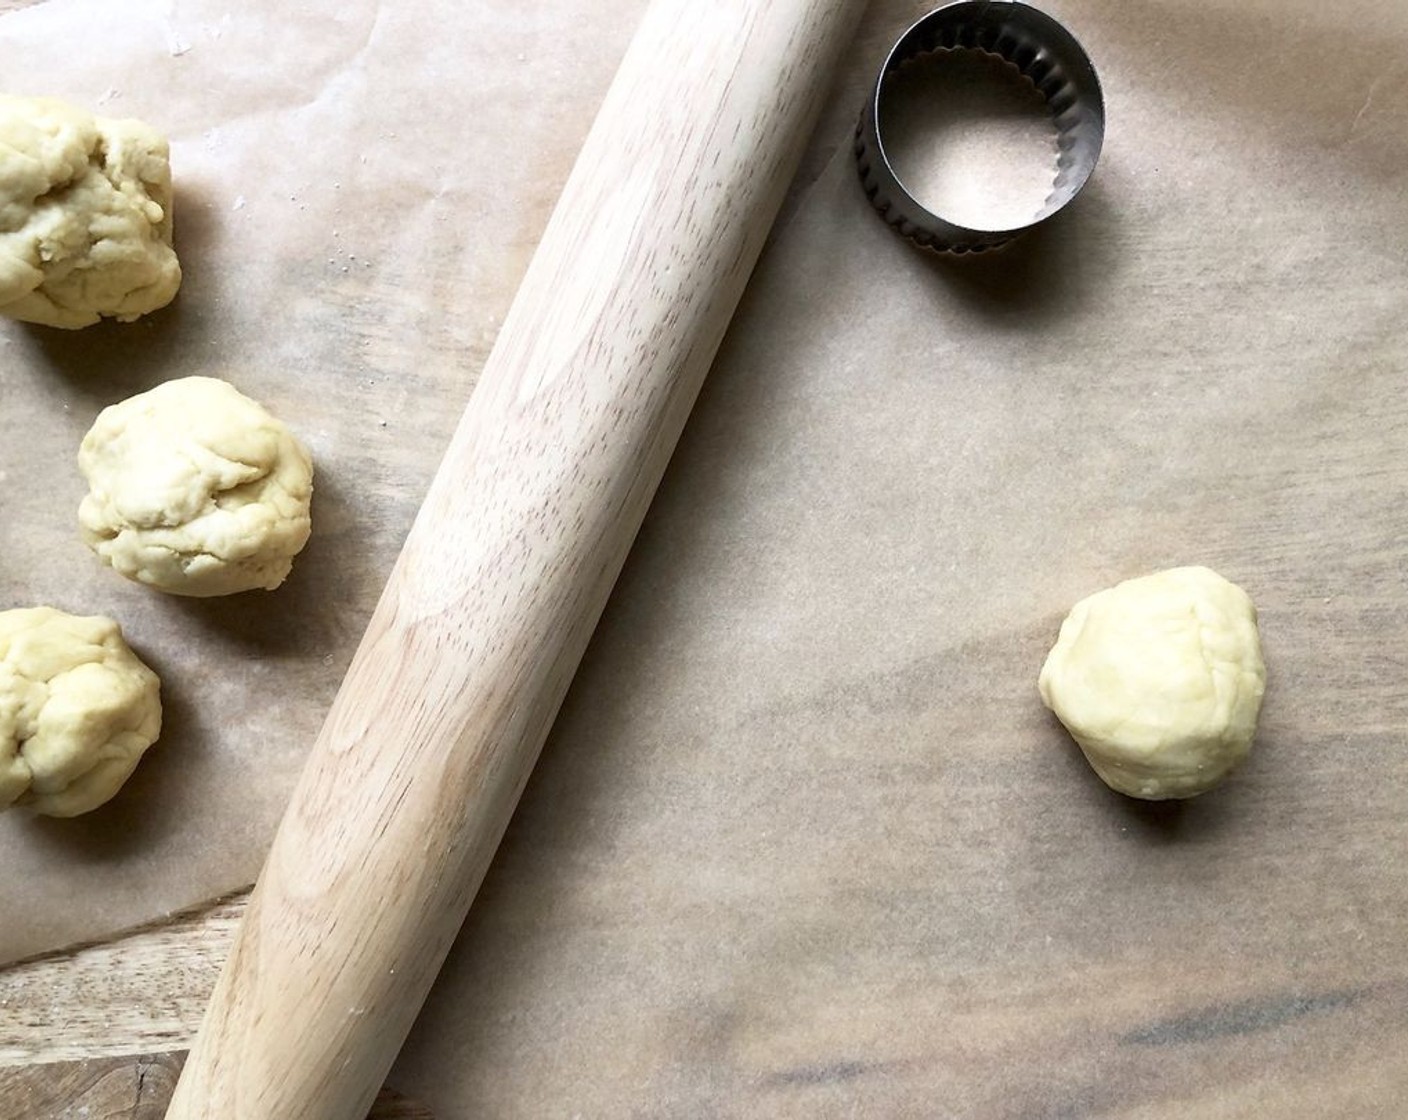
[428, 745]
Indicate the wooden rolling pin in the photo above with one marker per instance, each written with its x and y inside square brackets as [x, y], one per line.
[428, 744]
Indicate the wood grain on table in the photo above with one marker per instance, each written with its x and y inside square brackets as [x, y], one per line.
[105, 1027]
[133, 1088]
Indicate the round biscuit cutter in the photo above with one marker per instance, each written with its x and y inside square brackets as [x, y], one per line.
[1043, 51]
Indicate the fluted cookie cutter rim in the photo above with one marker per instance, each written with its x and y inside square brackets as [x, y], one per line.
[1043, 51]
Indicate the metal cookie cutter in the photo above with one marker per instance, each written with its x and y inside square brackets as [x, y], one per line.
[1041, 49]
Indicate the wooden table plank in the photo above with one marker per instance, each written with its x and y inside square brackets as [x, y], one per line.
[142, 992]
[133, 1088]
[104, 1027]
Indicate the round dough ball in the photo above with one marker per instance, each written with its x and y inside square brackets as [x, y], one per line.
[195, 489]
[1160, 680]
[85, 215]
[77, 710]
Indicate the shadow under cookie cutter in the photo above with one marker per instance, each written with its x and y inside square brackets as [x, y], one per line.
[1043, 51]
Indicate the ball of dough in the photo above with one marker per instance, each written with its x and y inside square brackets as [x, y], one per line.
[77, 710]
[195, 489]
[1160, 680]
[85, 215]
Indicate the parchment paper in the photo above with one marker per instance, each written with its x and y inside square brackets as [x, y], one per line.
[359, 188]
[804, 841]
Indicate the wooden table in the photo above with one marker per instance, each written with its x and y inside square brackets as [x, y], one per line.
[129, 1008]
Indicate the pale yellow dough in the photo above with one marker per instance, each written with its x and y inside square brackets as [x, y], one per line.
[1160, 680]
[195, 489]
[77, 710]
[85, 215]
